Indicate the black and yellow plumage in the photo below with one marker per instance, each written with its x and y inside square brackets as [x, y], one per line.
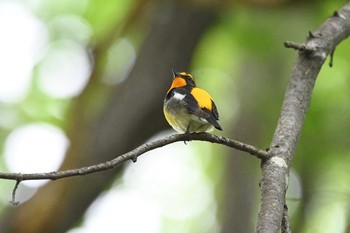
[188, 108]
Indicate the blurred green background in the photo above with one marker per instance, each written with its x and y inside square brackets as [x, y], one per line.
[83, 81]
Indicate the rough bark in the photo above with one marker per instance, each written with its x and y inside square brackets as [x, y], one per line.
[275, 170]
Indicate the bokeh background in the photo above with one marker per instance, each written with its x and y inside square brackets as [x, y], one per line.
[83, 81]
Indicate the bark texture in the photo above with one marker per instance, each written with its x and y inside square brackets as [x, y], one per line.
[275, 170]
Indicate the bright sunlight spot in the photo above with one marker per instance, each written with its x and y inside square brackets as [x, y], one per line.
[65, 70]
[125, 210]
[35, 148]
[22, 41]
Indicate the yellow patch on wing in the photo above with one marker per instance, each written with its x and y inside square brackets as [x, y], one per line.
[203, 98]
[177, 82]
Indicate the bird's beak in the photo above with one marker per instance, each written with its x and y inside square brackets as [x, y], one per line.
[175, 73]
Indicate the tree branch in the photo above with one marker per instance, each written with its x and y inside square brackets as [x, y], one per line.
[275, 170]
[133, 155]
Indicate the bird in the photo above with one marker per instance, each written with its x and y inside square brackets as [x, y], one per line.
[188, 108]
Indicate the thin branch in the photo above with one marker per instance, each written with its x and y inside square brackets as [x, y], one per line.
[275, 170]
[132, 155]
[13, 201]
[293, 45]
[299, 47]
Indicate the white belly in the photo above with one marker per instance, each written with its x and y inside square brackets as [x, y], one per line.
[178, 117]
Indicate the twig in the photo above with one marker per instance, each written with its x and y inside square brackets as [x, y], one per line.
[13, 200]
[300, 47]
[132, 155]
[293, 45]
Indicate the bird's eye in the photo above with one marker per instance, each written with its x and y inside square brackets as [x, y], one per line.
[186, 75]
[190, 76]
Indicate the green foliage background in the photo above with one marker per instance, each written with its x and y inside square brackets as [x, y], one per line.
[241, 61]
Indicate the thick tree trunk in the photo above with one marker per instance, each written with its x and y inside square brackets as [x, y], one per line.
[275, 170]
